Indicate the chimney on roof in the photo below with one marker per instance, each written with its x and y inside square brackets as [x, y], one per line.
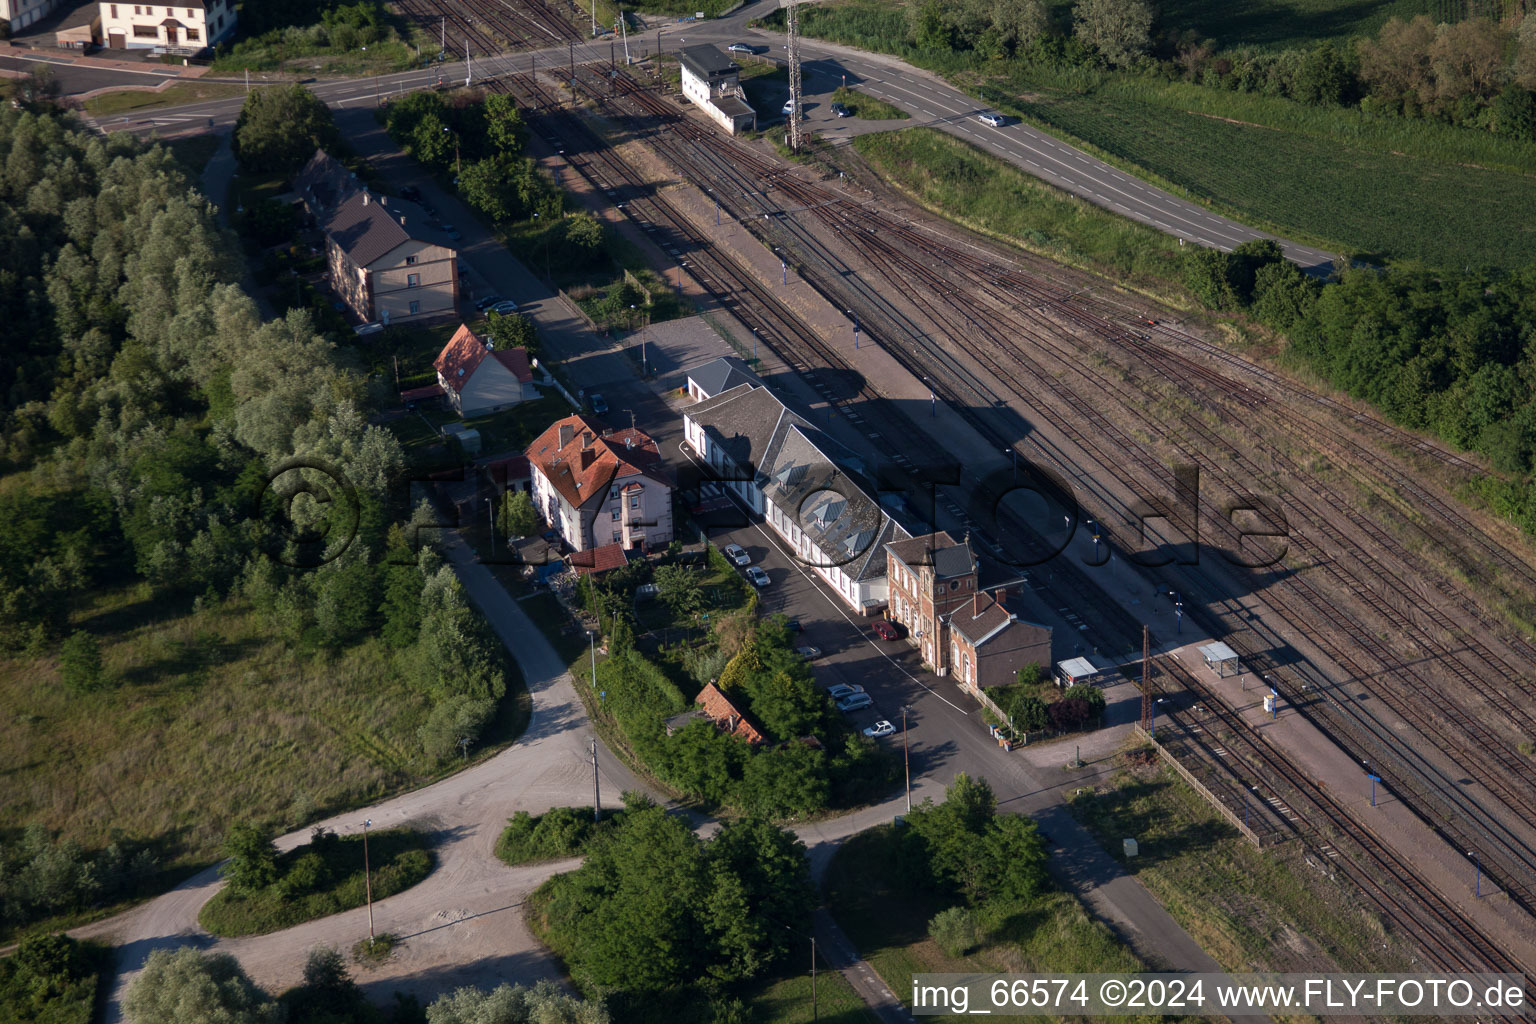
[588, 456]
[383, 200]
[586, 439]
[402, 220]
[1000, 595]
[365, 197]
[976, 605]
[567, 431]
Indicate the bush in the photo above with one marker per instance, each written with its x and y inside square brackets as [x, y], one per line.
[80, 663]
[1090, 695]
[955, 930]
[1069, 715]
[557, 833]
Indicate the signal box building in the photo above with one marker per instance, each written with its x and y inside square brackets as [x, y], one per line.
[712, 81]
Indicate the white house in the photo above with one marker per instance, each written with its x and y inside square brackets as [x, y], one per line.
[598, 489]
[22, 13]
[479, 378]
[718, 376]
[187, 27]
[807, 486]
[711, 81]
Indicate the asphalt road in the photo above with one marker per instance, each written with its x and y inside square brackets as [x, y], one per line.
[929, 100]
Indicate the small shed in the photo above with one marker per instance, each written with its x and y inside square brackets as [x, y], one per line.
[1076, 670]
[1221, 659]
[468, 437]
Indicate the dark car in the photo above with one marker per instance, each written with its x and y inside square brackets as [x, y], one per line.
[841, 111]
[412, 193]
[503, 308]
[599, 404]
[884, 630]
[487, 302]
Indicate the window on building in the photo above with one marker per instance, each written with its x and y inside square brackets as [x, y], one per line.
[615, 515]
[114, 10]
[136, 9]
[634, 502]
[191, 13]
[617, 536]
[415, 307]
[192, 34]
[410, 261]
[145, 32]
[413, 280]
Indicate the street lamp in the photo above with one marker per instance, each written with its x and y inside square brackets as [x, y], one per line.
[754, 346]
[1015, 453]
[368, 880]
[855, 328]
[905, 755]
[933, 402]
[490, 515]
[1178, 614]
[456, 169]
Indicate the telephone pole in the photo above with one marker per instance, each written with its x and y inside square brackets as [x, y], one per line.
[1146, 681]
[792, 20]
[597, 800]
[368, 881]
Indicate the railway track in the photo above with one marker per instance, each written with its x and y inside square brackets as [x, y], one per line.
[489, 27]
[691, 147]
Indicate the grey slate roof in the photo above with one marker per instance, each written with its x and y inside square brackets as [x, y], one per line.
[707, 61]
[367, 226]
[730, 106]
[722, 375]
[742, 422]
[323, 184]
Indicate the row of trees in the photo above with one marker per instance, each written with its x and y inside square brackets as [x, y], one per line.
[655, 907]
[1478, 72]
[41, 876]
[191, 987]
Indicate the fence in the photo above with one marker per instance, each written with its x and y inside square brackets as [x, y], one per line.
[1199, 787]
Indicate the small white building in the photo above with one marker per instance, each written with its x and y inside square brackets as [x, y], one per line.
[719, 376]
[712, 81]
[22, 13]
[186, 28]
[479, 378]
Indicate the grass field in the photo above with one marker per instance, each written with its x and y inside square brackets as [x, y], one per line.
[866, 106]
[1244, 906]
[129, 100]
[888, 923]
[959, 181]
[1383, 188]
[332, 881]
[215, 721]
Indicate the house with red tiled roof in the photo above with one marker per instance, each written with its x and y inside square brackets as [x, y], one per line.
[479, 378]
[989, 643]
[596, 488]
[727, 718]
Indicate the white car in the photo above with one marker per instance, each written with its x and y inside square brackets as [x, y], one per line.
[880, 728]
[991, 120]
[854, 703]
[737, 554]
[741, 48]
[758, 577]
[842, 690]
[808, 652]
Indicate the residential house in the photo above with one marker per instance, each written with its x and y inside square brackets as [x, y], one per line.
[388, 261]
[930, 576]
[727, 718]
[187, 28]
[596, 489]
[810, 488]
[712, 81]
[479, 378]
[988, 643]
[23, 13]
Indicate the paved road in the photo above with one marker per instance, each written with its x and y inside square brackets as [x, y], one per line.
[928, 98]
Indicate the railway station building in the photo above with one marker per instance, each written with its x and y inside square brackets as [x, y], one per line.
[712, 81]
[810, 488]
[188, 28]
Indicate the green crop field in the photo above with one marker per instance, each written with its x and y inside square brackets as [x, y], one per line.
[1285, 24]
[1384, 188]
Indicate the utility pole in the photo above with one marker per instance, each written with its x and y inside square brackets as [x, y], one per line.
[442, 41]
[624, 31]
[597, 799]
[815, 1013]
[469, 72]
[572, 47]
[905, 755]
[594, 19]
[1146, 680]
[368, 881]
[792, 21]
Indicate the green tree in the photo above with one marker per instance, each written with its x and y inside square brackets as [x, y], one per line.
[488, 187]
[1324, 77]
[544, 1003]
[1029, 714]
[1121, 30]
[518, 516]
[513, 330]
[453, 719]
[1090, 695]
[328, 994]
[504, 126]
[1031, 675]
[1514, 112]
[252, 859]
[678, 585]
[80, 663]
[955, 930]
[190, 987]
[280, 127]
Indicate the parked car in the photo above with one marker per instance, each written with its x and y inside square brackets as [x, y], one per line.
[598, 403]
[487, 302]
[992, 120]
[788, 106]
[854, 703]
[793, 625]
[741, 48]
[884, 630]
[808, 652]
[647, 591]
[503, 308]
[880, 728]
[373, 328]
[841, 111]
[844, 690]
[738, 554]
[412, 193]
[758, 577]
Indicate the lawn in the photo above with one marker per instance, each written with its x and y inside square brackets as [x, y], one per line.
[959, 181]
[322, 878]
[128, 100]
[868, 107]
[1242, 905]
[888, 922]
[215, 721]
